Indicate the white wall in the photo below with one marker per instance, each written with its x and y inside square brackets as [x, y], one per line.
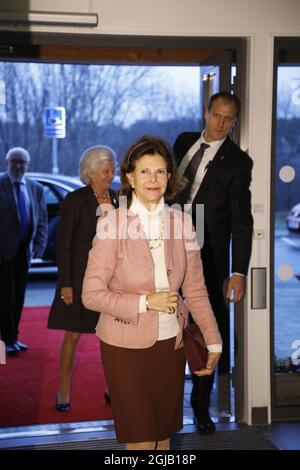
[259, 21]
[177, 17]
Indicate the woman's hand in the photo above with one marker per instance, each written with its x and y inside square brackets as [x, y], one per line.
[164, 301]
[66, 295]
[212, 361]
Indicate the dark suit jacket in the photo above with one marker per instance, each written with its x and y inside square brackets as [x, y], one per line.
[227, 207]
[10, 233]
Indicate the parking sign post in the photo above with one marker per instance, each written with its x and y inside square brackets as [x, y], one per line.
[55, 169]
[55, 128]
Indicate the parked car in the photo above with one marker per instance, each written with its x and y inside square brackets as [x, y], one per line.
[56, 188]
[293, 219]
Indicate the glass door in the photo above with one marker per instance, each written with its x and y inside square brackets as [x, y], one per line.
[286, 239]
[147, 106]
[218, 74]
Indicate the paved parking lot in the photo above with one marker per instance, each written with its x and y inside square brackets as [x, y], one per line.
[41, 287]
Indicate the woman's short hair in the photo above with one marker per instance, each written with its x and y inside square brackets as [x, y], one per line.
[91, 158]
[150, 145]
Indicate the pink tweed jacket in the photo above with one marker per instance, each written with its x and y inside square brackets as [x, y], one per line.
[120, 268]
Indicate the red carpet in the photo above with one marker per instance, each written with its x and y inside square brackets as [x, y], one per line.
[29, 381]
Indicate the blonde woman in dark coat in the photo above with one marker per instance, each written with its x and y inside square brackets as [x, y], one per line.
[79, 214]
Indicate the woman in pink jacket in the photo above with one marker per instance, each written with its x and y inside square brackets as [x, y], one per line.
[142, 255]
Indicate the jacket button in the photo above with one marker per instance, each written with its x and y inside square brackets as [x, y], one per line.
[169, 272]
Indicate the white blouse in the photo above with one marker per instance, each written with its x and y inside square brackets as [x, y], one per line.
[151, 222]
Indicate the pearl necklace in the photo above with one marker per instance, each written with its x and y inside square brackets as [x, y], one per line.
[100, 198]
[157, 242]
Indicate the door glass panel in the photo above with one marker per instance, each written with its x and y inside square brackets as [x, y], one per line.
[222, 396]
[210, 84]
[287, 239]
[104, 104]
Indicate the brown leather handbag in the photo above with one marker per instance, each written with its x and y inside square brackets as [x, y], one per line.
[195, 348]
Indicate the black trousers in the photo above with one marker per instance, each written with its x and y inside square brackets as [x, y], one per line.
[13, 279]
[202, 386]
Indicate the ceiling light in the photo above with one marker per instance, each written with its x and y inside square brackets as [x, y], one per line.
[48, 18]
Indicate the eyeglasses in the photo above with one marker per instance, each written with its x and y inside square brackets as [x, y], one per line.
[147, 173]
[20, 162]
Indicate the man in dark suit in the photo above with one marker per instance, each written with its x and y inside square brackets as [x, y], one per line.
[219, 175]
[23, 235]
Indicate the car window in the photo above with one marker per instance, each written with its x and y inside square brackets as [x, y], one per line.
[62, 192]
[51, 196]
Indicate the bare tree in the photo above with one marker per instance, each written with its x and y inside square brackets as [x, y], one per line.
[101, 102]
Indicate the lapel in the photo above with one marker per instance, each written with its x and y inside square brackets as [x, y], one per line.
[139, 242]
[187, 144]
[91, 204]
[168, 235]
[221, 154]
[32, 205]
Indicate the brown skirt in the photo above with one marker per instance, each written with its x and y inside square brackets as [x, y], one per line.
[146, 390]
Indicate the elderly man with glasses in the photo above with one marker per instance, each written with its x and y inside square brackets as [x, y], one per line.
[23, 235]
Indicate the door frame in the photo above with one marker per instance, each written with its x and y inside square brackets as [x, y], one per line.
[111, 49]
[286, 51]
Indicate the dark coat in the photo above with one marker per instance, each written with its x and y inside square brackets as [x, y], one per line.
[76, 231]
[227, 207]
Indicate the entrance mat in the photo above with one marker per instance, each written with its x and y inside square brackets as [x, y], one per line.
[248, 438]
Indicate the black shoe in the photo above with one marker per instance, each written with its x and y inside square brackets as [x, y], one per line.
[62, 406]
[205, 425]
[21, 346]
[107, 398]
[12, 349]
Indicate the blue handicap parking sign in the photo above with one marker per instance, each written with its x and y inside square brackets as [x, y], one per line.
[55, 122]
